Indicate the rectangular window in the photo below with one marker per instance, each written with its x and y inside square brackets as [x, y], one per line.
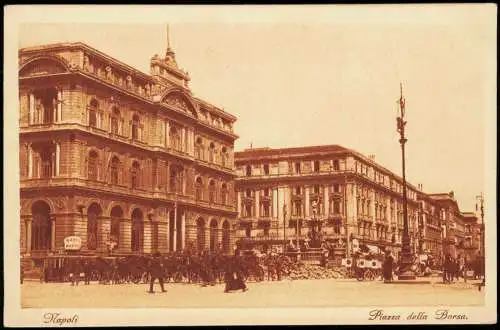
[266, 169]
[297, 168]
[316, 166]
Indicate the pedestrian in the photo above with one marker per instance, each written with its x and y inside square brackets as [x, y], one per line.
[388, 264]
[446, 267]
[157, 271]
[22, 274]
[233, 277]
[87, 269]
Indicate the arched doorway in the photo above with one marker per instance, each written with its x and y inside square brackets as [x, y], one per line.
[213, 235]
[41, 227]
[137, 230]
[200, 234]
[116, 216]
[93, 212]
[226, 237]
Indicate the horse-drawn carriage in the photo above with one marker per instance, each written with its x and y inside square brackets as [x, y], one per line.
[363, 268]
[365, 264]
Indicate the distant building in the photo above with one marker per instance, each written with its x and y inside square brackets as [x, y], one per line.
[353, 197]
[114, 155]
[356, 198]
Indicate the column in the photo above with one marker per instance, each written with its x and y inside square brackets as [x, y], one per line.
[104, 230]
[238, 205]
[125, 235]
[167, 131]
[174, 236]
[32, 108]
[30, 161]
[207, 234]
[183, 139]
[191, 141]
[147, 237]
[58, 157]
[306, 194]
[28, 236]
[325, 200]
[183, 230]
[53, 233]
[274, 205]
[59, 105]
[257, 203]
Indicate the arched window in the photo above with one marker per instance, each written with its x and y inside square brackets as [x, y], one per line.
[135, 171]
[198, 148]
[223, 157]
[116, 216]
[223, 194]
[135, 127]
[249, 170]
[115, 170]
[92, 109]
[46, 105]
[211, 153]
[41, 227]
[176, 179]
[46, 158]
[175, 138]
[93, 165]
[213, 235]
[226, 234]
[93, 213]
[199, 188]
[137, 231]
[115, 120]
[297, 191]
[212, 191]
[200, 234]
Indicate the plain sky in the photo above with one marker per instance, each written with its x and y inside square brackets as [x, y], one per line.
[328, 76]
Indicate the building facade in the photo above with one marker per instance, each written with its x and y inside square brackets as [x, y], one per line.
[353, 197]
[283, 193]
[116, 156]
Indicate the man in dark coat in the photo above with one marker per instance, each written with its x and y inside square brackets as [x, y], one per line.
[87, 269]
[233, 277]
[157, 271]
[388, 265]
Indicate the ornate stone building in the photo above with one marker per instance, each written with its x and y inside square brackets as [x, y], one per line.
[111, 154]
[353, 197]
[458, 229]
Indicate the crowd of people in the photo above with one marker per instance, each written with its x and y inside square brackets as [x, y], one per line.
[204, 268]
[208, 268]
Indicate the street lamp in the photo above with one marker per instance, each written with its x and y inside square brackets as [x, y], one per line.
[406, 254]
[480, 198]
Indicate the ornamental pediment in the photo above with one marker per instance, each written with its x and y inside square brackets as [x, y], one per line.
[180, 101]
[43, 65]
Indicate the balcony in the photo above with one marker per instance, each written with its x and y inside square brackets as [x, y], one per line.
[261, 238]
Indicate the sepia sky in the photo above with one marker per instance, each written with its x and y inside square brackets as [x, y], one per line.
[331, 80]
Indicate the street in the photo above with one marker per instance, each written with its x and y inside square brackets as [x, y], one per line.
[298, 293]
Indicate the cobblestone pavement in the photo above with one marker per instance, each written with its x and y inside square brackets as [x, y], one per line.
[286, 293]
